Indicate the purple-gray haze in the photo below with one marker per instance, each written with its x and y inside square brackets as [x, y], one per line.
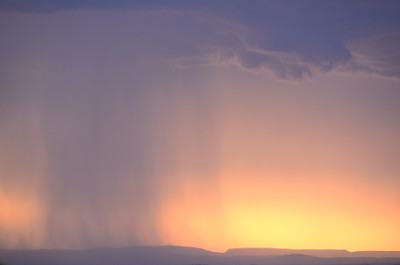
[111, 110]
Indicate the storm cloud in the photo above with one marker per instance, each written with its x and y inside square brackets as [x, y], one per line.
[289, 40]
[112, 113]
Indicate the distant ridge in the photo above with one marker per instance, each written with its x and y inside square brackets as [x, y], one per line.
[167, 249]
[176, 255]
[321, 253]
[376, 254]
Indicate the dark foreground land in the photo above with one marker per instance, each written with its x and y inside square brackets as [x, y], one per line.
[173, 255]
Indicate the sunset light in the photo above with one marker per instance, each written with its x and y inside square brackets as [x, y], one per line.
[226, 132]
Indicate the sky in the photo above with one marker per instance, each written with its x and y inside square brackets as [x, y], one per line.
[212, 124]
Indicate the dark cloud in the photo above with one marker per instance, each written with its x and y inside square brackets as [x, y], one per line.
[308, 34]
[312, 33]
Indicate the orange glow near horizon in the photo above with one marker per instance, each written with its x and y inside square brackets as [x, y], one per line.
[19, 213]
[256, 212]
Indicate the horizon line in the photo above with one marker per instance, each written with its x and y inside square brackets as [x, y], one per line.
[200, 248]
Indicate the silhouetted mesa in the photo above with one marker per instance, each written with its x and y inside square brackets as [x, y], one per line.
[174, 255]
[322, 253]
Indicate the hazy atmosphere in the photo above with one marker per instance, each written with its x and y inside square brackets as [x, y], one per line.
[211, 124]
